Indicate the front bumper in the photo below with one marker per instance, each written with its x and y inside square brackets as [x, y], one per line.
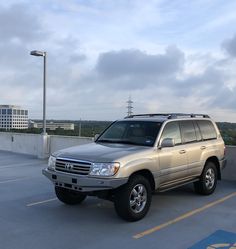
[82, 183]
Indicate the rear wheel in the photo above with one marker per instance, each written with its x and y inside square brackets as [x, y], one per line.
[208, 180]
[68, 196]
[133, 200]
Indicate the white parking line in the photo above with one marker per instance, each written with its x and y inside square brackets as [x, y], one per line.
[41, 202]
[21, 165]
[15, 180]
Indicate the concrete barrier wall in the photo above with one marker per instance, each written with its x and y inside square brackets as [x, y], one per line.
[36, 144]
[20, 143]
[5, 141]
[61, 142]
[42, 146]
[25, 144]
[229, 173]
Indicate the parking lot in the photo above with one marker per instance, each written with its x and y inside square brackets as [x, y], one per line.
[31, 216]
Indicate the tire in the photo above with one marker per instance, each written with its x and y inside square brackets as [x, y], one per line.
[68, 196]
[138, 191]
[208, 180]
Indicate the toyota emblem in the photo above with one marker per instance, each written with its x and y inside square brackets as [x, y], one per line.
[68, 166]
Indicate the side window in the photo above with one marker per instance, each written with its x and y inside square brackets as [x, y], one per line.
[172, 130]
[188, 131]
[207, 129]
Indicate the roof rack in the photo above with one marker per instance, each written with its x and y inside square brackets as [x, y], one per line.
[170, 115]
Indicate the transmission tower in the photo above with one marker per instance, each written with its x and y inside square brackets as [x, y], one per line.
[129, 106]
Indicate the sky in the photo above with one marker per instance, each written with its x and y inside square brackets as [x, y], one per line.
[168, 55]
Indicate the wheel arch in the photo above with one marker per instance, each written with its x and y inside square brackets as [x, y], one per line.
[215, 160]
[148, 175]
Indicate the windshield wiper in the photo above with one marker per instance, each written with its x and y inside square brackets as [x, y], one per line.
[126, 142]
[118, 142]
[106, 141]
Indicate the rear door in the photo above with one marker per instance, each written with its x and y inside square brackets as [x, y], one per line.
[208, 145]
[192, 141]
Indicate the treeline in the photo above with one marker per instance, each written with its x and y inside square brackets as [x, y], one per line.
[228, 132]
[91, 128]
[83, 128]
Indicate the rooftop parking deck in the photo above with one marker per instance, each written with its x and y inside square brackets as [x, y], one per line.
[32, 218]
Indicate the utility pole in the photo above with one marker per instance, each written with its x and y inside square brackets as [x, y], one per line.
[129, 106]
[80, 128]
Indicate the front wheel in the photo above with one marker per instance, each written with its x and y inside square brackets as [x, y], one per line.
[68, 196]
[208, 180]
[133, 200]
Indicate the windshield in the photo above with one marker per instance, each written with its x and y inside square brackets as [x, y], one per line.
[142, 133]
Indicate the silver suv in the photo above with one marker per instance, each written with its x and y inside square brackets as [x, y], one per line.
[138, 155]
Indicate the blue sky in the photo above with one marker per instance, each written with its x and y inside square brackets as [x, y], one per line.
[170, 56]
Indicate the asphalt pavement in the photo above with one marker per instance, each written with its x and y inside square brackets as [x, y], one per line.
[32, 218]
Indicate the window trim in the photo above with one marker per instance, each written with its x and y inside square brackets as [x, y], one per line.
[195, 124]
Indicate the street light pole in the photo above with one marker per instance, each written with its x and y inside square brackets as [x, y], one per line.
[44, 54]
[44, 93]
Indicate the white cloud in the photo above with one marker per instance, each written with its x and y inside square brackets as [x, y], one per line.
[166, 54]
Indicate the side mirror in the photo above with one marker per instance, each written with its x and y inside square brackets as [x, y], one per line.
[167, 142]
[96, 137]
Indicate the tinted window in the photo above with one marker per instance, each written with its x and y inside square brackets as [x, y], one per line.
[207, 129]
[188, 131]
[131, 132]
[172, 130]
[116, 132]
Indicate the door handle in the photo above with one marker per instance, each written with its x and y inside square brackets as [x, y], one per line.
[203, 147]
[182, 151]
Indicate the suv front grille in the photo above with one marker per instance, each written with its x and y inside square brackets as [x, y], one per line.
[73, 166]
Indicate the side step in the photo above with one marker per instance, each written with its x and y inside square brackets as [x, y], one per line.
[175, 185]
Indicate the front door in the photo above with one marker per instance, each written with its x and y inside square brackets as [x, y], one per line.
[172, 160]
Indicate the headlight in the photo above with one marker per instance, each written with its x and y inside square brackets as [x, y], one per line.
[104, 169]
[52, 162]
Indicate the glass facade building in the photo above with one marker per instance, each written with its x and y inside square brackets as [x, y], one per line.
[13, 117]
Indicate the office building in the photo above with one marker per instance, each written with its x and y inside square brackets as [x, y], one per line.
[53, 125]
[13, 117]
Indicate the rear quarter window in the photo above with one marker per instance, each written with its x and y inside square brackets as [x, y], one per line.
[207, 129]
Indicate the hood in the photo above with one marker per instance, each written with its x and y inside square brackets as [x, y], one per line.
[100, 152]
